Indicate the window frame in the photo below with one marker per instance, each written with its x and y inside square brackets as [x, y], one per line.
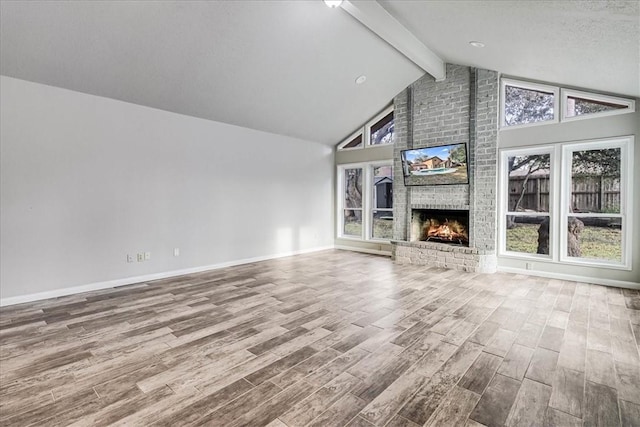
[560, 187]
[367, 200]
[372, 208]
[539, 87]
[566, 93]
[370, 123]
[341, 204]
[504, 210]
[626, 203]
[365, 131]
[359, 132]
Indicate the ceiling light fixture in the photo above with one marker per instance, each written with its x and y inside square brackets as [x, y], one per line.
[361, 80]
[476, 44]
[333, 3]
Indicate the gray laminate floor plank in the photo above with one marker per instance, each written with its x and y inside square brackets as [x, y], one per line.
[495, 404]
[568, 391]
[328, 338]
[629, 413]
[600, 406]
[530, 405]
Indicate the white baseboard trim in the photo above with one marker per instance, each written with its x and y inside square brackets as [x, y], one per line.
[364, 250]
[560, 276]
[146, 278]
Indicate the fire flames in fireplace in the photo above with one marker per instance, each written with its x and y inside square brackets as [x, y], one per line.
[447, 231]
[450, 226]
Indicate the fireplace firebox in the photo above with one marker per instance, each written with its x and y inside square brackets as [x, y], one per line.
[440, 226]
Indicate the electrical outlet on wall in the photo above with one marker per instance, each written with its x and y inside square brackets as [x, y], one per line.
[147, 256]
[176, 251]
[130, 258]
[140, 257]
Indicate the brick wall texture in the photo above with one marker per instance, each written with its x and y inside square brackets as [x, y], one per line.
[461, 108]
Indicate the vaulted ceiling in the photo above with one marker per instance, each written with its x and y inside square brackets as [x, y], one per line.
[289, 67]
[587, 43]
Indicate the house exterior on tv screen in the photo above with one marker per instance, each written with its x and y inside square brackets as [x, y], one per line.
[434, 162]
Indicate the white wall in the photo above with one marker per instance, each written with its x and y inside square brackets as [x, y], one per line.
[86, 180]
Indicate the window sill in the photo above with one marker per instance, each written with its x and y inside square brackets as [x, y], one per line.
[358, 239]
[573, 263]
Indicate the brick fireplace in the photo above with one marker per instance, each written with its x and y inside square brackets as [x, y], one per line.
[461, 108]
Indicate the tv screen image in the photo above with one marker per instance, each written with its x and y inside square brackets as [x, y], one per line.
[439, 165]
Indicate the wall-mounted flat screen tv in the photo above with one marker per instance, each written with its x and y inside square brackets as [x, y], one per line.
[439, 165]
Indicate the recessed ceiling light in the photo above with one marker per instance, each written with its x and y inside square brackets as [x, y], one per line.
[476, 44]
[361, 80]
[333, 3]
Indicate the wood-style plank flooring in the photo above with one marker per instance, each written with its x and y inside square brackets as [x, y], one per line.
[327, 339]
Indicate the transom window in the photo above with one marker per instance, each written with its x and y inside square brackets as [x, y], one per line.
[581, 105]
[378, 131]
[356, 142]
[529, 104]
[381, 132]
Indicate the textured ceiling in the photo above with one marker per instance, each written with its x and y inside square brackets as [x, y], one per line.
[282, 67]
[288, 67]
[590, 44]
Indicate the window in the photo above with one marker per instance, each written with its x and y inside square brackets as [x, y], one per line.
[590, 225]
[376, 132]
[528, 103]
[528, 201]
[365, 208]
[354, 141]
[382, 206]
[381, 131]
[596, 202]
[352, 211]
[579, 105]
